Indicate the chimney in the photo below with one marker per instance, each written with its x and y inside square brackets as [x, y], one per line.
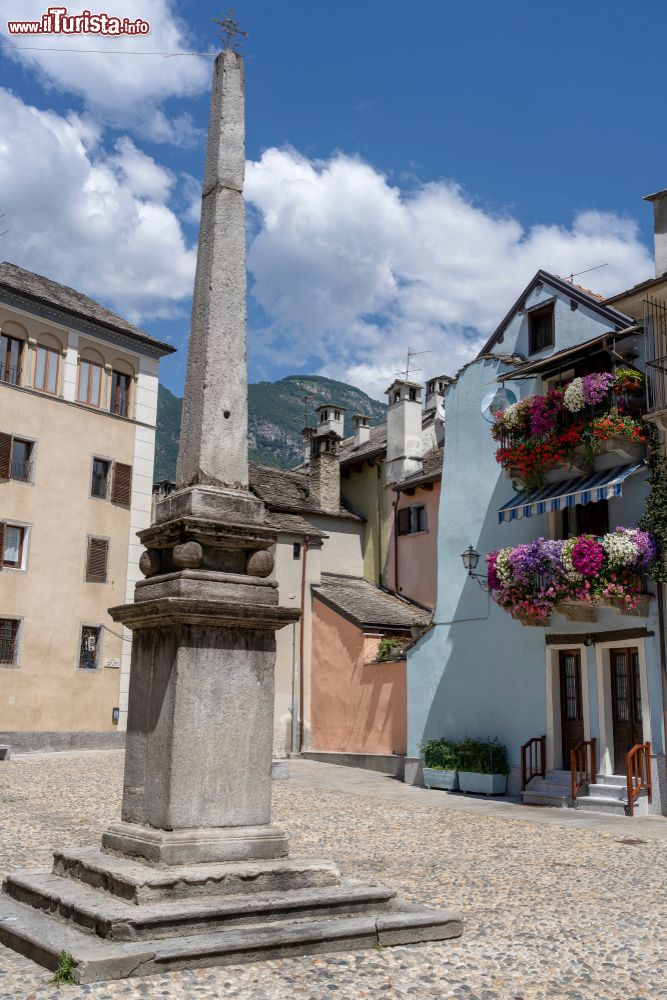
[435, 392]
[362, 431]
[308, 433]
[404, 430]
[330, 419]
[325, 470]
[659, 200]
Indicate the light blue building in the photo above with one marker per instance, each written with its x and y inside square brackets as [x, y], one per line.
[592, 672]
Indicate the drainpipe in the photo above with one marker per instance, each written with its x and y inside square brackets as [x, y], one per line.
[302, 639]
[396, 590]
[378, 504]
[294, 735]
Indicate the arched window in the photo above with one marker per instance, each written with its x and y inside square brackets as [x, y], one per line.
[91, 369]
[121, 384]
[47, 359]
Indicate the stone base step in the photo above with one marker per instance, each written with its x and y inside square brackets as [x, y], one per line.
[41, 937]
[109, 917]
[600, 804]
[530, 798]
[608, 791]
[138, 882]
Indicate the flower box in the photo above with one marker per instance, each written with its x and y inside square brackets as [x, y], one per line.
[436, 777]
[618, 451]
[641, 609]
[482, 784]
[577, 611]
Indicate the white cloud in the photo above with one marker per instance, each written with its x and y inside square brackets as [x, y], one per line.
[352, 270]
[97, 221]
[122, 90]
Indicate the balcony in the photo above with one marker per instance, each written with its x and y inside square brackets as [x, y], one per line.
[573, 577]
[593, 424]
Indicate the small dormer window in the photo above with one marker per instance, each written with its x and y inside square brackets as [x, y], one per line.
[323, 416]
[541, 329]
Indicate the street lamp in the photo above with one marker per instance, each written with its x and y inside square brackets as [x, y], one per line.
[470, 559]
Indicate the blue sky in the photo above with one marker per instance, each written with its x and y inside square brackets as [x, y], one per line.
[410, 167]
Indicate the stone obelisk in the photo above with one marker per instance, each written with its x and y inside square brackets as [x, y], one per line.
[195, 873]
[201, 682]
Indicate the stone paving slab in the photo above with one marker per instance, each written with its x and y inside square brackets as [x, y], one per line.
[555, 909]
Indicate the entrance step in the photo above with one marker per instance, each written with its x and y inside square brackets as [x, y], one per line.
[554, 789]
[600, 804]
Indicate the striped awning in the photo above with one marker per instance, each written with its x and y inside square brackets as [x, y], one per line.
[568, 493]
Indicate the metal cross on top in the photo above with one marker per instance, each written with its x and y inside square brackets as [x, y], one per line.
[230, 30]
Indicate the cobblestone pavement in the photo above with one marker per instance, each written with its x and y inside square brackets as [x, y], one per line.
[552, 911]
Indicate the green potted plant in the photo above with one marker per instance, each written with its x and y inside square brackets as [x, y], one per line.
[628, 380]
[441, 761]
[483, 767]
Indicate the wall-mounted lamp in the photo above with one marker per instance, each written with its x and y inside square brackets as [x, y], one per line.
[470, 559]
[589, 640]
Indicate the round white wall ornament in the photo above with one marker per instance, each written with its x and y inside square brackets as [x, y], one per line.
[497, 399]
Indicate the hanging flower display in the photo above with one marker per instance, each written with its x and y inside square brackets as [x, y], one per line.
[530, 579]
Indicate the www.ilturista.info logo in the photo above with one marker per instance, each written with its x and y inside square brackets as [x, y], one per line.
[56, 21]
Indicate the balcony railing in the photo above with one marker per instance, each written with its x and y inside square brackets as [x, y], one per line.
[9, 375]
[626, 403]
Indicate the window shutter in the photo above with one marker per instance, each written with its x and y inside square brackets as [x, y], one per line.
[121, 489]
[404, 521]
[96, 567]
[5, 456]
[2, 544]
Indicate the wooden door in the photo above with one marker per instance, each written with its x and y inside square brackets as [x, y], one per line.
[626, 699]
[571, 708]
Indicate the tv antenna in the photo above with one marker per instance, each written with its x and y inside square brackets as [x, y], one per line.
[588, 269]
[408, 366]
[6, 230]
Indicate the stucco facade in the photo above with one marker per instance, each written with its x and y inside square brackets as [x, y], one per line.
[413, 555]
[478, 671]
[52, 594]
[358, 705]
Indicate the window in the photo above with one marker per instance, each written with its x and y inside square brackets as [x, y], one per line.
[540, 329]
[11, 352]
[16, 458]
[324, 415]
[12, 545]
[121, 487]
[9, 640]
[46, 369]
[296, 550]
[412, 393]
[586, 519]
[412, 520]
[21, 460]
[120, 393]
[90, 383]
[99, 483]
[337, 414]
[89, 647]
[96, 560]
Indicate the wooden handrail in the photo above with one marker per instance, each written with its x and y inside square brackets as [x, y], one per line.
[533, 759]
[638, 771]
[583, 762]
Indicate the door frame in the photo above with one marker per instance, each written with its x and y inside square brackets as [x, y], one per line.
[608, 764]
[555, 760]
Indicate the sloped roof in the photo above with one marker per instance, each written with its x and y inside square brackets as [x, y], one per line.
[288, 491]
[50, 293]
[376, 444]
[366, 605]
[615, 318]
[431, 471]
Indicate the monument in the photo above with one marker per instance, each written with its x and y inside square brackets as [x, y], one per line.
[194, 873]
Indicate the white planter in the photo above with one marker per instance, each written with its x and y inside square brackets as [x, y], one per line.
[483, 784]
[448, 781]
[618, 451]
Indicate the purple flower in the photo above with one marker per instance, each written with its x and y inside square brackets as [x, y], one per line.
[595, 387]
[646, 545]
[492, 575]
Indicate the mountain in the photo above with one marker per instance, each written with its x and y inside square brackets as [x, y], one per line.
[275, 418]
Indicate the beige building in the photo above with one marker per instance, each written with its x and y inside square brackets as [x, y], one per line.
[78, 403]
